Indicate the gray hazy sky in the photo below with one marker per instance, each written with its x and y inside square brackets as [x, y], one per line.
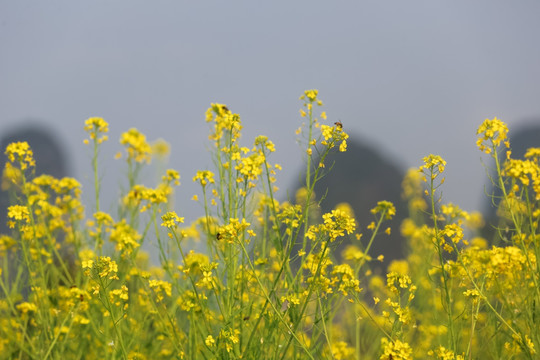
[411, 77]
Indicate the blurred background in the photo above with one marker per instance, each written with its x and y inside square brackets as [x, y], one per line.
[406, 79]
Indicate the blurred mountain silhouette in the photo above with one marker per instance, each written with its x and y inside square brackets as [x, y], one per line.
[361, 177]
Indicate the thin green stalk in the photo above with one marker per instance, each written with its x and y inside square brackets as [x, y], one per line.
[325, 329]
[446, 288]
[97, 184]
[276, 311]
[115, 321]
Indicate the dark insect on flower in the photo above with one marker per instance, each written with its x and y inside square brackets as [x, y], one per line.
[225, 108]
[246, 318]
[338, 124]
[81, 297]
[219, 236]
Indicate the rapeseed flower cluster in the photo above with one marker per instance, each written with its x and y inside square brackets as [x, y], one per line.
[137, 148]
[267, 280]
[20, 153]
[493, 132]
[96, 128]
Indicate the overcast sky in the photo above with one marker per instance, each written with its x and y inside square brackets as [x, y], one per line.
[410, 77]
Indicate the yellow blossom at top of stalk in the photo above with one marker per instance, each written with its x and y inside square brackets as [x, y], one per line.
[204, 177]
[233, 230]
[171, 176]
[434, 165]
[22, 153]
[264, 142]
[103, 267]
[102, 218]
[137, 147]
[95, 126]
[385, 207]
[493, 130]
[311, 96]
[171, 219]
[337, 222]
[453, 211]
[225, 121]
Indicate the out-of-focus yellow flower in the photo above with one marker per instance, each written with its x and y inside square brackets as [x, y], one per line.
[341, 350]
[136, 145]
[171, 176]
[346, 208]
[395, 350]
[117, 296]
[161, 148]
[125, 237]
[21, 153]
[104, 267]
[209, 341]
[18, 213]
[386, 208]
[442, 353]
[160, 288]
[399, 266]
[26, 307]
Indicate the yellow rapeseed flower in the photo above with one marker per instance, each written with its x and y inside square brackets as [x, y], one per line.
[18, 213]
[125, 237]
[160, 288]
[22, 153]
[161, 148]
[395, 350]
[137, 147]
[433, 165]
[495, 131]
[95, 126]
[204, 177]
[171, 220]
[209, 341]
[386, 208]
